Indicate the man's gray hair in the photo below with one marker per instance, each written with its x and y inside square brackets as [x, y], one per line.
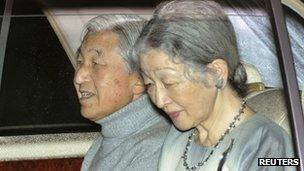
[194, 32]
[127, 27]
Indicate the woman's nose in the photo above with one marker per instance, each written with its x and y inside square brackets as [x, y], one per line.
[161, 98]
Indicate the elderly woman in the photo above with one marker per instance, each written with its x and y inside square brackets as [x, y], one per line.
[190, 65]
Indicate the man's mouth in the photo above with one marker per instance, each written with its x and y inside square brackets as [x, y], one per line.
[85, 95]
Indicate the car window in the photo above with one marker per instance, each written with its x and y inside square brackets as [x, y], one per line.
[27, 7]
[2, 5]
[38, 62]
[37, 93]
[295, 28]
[255, 39]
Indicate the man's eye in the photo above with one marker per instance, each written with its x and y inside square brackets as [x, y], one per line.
[79, 62]
[168, 85]
[98, 62]
[95, 63]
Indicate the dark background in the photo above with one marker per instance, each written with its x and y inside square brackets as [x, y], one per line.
[37, 95]
[2, 4]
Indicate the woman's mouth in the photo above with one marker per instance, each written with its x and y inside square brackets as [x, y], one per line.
[173, 115]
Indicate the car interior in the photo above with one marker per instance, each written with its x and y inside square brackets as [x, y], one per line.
[44, 139]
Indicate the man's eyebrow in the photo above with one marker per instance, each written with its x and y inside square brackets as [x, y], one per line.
[164, 68]
[97, 50]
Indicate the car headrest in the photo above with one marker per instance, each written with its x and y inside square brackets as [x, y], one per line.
[271, 103]
[254, 81]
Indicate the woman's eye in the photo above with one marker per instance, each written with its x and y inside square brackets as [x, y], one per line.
[170, 84]
[148, 85]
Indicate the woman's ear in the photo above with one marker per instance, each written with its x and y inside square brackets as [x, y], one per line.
[220, 67]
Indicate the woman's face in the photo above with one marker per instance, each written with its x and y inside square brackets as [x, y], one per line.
[188, 102]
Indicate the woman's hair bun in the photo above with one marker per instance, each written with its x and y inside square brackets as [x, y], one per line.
[239, 79]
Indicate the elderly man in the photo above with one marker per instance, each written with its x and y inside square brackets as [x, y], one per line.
[111, 93]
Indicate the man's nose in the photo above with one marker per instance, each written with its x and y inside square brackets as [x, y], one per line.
[82, 74]
[161, 98]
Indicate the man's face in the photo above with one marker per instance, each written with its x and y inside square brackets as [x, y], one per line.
[102, 83]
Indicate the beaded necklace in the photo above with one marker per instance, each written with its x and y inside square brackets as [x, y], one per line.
[190, 139]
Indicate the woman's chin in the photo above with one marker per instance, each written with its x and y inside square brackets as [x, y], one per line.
[182, 127]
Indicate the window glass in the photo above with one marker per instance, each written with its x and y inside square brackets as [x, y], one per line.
[27, 7]
[37, 86]
[295, 28]
[2, 6]
[255, 39]
[258, 52]
[37, 93]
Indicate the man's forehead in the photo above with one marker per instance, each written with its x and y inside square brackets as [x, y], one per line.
[101, 35]
[100, 41]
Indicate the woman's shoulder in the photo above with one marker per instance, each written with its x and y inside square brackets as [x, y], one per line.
[259, 137]
[264, 132]
[175, 141]
[258, 123]
[173, 148]
[176, 135]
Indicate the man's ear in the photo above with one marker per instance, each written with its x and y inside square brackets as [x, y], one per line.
[138, 86]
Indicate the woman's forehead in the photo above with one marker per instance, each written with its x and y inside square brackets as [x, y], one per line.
[157, 60]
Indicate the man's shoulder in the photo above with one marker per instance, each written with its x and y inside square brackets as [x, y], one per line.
[145, 145]
[156, 132]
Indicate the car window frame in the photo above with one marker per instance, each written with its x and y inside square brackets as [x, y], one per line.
[289, 79]
[284, 53]
[4, 32]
